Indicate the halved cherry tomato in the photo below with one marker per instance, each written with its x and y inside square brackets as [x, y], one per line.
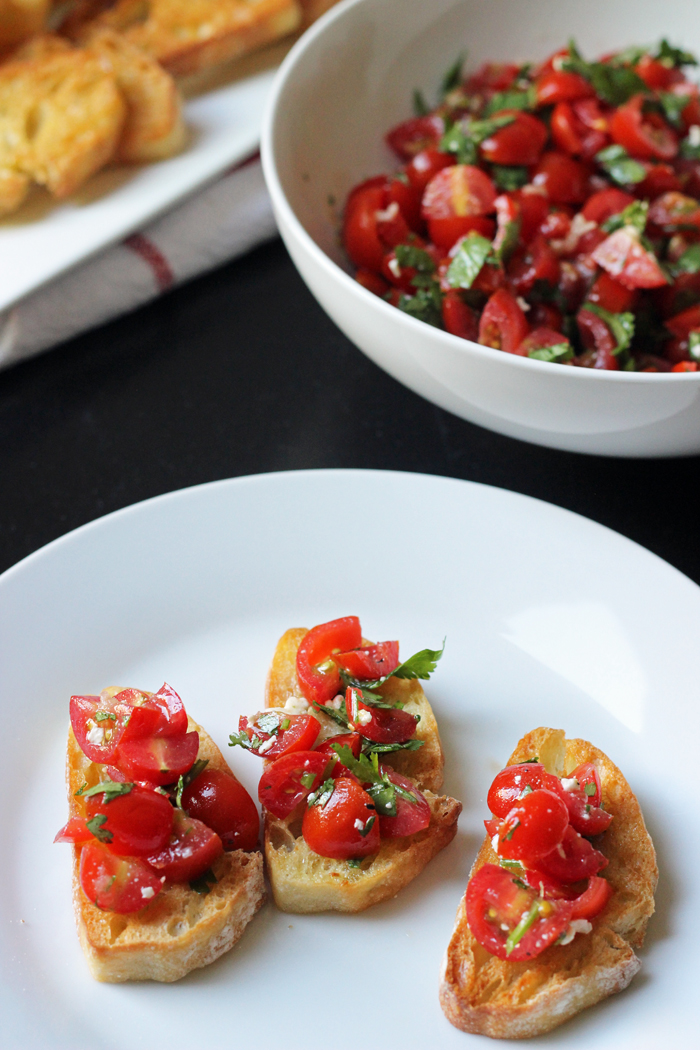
[193, 847]
[173, 717]
[223, 804]
[456, 201]
[574, 135]
[538, 262]
[546, 315]
[647, 136]
[381, 724]
[583, 803]
[673, 210]
[625, 258]
[497, 902]
[598, 340]
[158, 759]
[346, 826]
[138, 822]
[414, 135]
[98, 723]
[288, 781]
[606, 203]
[518, 143]
[425, 165]
[503, 324]
[492, 76]
[593, 899]
[654, 73]
[360, 234]
[318, 676]
[538, 339]
[564, 180]
[611, 295]
[561, 86]
[119, 884]
[660, 178]
[370, 662]
[684, 323]
[685, 366]
[372, 282]
[533, 827]
[411, 817]
[534, 208]
[75, 831]
[293, 733]
[408, 198]
[573, 859]
[459, 318]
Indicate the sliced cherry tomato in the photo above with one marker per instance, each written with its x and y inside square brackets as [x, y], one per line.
[370, 662]
[533, 827]
[459, 318]
[503, 324]
[292, 733]
[137, 823]
[538, 262]
[158, 759]
[646, 136]
[98, 723]
[318, 676]
[425, 165]
[685, 366]
[660, 178]
[193, 847]
[119, 884]
[372, 282]
[546, 315]
[573, 859]
[456, 201]
[518, 143]
[75, 831]
[360, 234]
[408, 199]
[562, 87]
[534, 208]
[654, 73]
[673, 210]
[606, 203]
[684, 323]
[346, 826]
[566, 129]
[351, 740]
[288, 781]
[583, 802]
[381, 724]
[611, 295]
[411, 817]
[625, 258]
[173, 717]
[598, 340]
[538, 339]
[492, 76]
[593, 899]
[223, 804]
[497, 903]
[557, 225]
[564, 180]
[415, 135]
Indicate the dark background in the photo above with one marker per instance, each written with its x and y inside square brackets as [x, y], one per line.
[241, 372]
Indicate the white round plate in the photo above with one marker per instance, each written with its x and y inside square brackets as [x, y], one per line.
[550, 620]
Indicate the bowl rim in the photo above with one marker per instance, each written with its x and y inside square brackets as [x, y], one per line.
[282, 207]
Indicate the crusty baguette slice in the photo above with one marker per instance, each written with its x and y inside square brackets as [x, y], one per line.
[425, 766]
[181, 929]
[189, 35]
[20, 19]
[485, 995]
[301, 880]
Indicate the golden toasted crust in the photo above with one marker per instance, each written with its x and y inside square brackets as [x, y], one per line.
[485, 995]
[189, 35]
[180, 930]
[301, 880]
[313, 9]
[20, 19]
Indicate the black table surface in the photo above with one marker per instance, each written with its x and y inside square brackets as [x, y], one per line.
[241, 372]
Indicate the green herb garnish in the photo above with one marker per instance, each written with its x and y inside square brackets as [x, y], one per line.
[186, 778]
[425, 305]
[420, 106]
[420, 665]
[322, 794]
[468, 261]
[338, 716]
[307, 779]
[453, 76]
[621, 168]
[634, 215]
[621, 326]
[369, 746]
[556, 354]
[95, 827]
[689, 261]
[368, 825]
[204, 883]
[674, 57]
[614, 84]
[694, 345]
[509, 177]
[464, 137]
[110, 788]
[590, 789]
[528, 920]
[101, 716]
[512, 831]
[523, 99]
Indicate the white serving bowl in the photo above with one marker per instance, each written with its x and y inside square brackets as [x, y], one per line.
[344, 84]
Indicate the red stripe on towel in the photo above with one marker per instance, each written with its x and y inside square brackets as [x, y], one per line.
[154, 257]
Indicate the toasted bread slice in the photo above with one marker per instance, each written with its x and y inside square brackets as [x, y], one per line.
[301, 880]
[21, 19]
[186, 36]
[61, 118]
[313, 9]
[181, 929]
[483, 994]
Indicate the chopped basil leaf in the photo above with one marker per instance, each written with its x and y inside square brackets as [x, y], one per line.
[354, 862]
[690, 149]
[384, 798]
[635, 215]
[468, 261]
[369, 824]
[80, 789]
[613, 84]
[95, 828]
[420, 106]
[509, 177]
[694, 345]
[526, 99]
[110, 788]
[365, 769]
[464, 137]
[621, 168]
[420, 665]
[689, 261]
[590, 789]
[369, 747]
[204, 883]
[186, 778]
[672, 106]
[425, 305]
[407, 796]
[453, 76]
[510, 865]
[307, 779]
[373, 699]
[621, 326]
[529, 919]
[322, 794]
[285, 724]
[337, 716]
[100, 716]
[512, 831]
[418, 258]
[268, 723]
[527, 760]
[673, 56]
[555, 354]
[629, 57]
[241, 739]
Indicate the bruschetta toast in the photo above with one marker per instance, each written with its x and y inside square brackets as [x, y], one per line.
[181, 924]
[304, 879]
[590, 959]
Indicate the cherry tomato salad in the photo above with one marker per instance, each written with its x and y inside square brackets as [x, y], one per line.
[325, 747]
[548, 211]
[547, 885]
[153, 812]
